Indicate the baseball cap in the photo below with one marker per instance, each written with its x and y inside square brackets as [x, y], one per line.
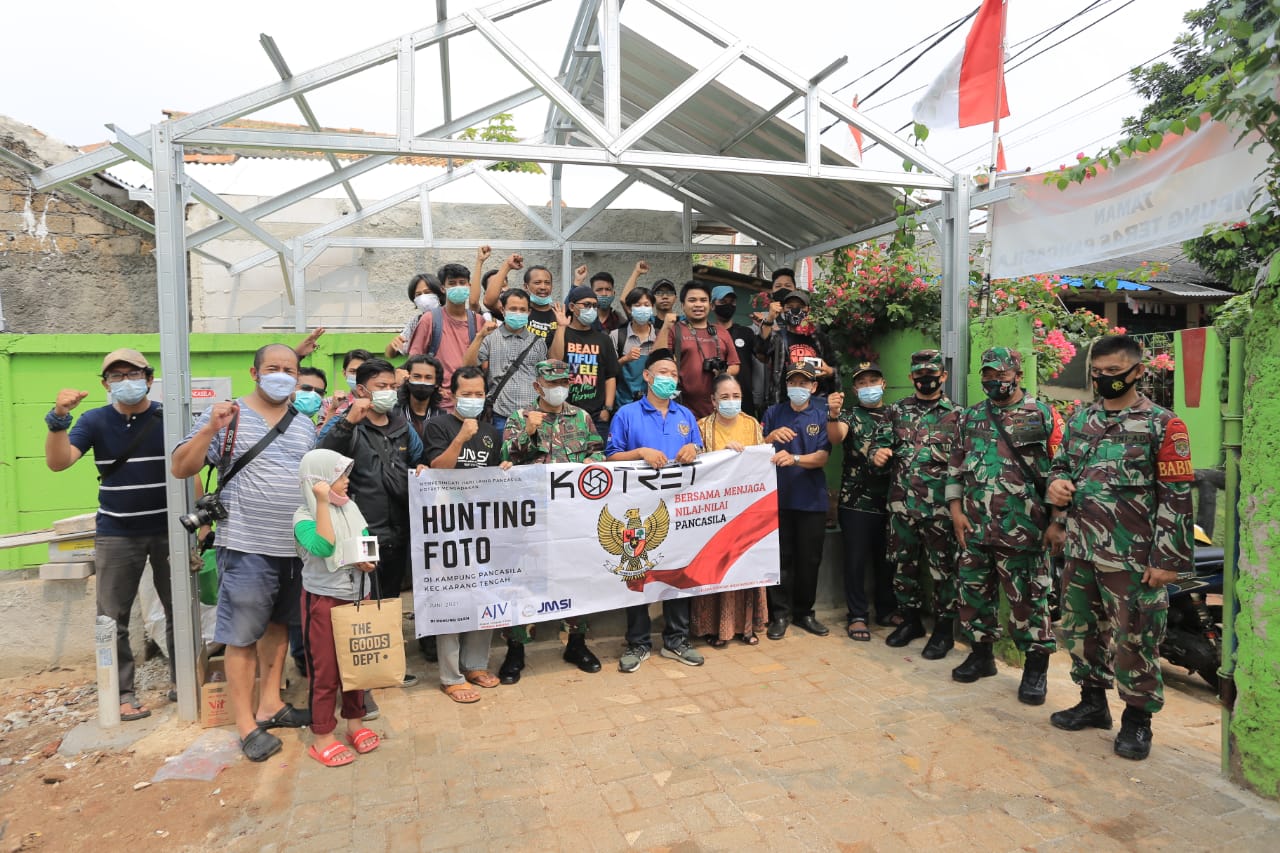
[866, 367]
[802, 295]
[579, 293]
[1002, 358]
[657, 356]
[128, 356]
[803, 369]
[552, 369]
[663, 284]
[926, 359]
[721, 291]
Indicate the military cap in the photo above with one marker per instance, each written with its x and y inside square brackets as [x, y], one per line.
[552, 369]
[1002, 358]
[865, 367]
[926, 359]
[802, 368]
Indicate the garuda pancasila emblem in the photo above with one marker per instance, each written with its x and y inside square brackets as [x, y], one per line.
[632, 539]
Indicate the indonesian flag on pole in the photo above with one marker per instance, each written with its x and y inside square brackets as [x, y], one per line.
[965, 93]
[855, 138]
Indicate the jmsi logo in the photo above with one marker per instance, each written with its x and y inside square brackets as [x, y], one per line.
[494, 611]
[555, 606]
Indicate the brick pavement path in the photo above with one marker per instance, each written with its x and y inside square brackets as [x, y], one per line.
[807, 743]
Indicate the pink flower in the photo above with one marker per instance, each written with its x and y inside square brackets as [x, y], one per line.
[1024, 304]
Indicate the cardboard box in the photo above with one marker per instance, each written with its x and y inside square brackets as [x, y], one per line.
[215, 700]
[71, 551]
[65, 571]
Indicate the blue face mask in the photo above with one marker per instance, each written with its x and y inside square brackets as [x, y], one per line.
[587, 316]
[516, 322]
[729, 408]
[642, 314]
[871, 395]
[798, 395]
[663, 387]
[277, 386]
[540, 301]
[469, 407]
[605, 301]
[307, 402]
[128, 392]
[351, 382]
[458, 295]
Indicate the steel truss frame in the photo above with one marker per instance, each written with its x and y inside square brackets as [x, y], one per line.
[574, 134]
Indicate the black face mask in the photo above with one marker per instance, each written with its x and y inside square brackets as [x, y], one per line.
[1114, 387]
[927, 385]
[726, 312]
[999, 390]
[421, 390]
[794, 317]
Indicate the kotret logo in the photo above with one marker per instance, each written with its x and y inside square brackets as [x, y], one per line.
[594, 482]
[632, 539]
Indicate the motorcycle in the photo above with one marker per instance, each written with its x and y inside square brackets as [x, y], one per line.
[1193, 633]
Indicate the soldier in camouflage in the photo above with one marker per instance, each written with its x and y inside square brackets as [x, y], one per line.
[1120, 495]
[995, 489]
[863, 491]
[553, 432]
[915, 443]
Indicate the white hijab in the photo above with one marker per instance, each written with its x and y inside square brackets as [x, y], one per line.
[328, 466]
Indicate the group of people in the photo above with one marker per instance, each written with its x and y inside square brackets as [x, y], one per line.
[499, 374]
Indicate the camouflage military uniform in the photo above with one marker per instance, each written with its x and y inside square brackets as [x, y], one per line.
[863, 486]
[565, 436]
[1131, 510]
[1008, 517]
[921, 538]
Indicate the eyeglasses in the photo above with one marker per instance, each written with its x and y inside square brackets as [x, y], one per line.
[319, 389]
[117, 376]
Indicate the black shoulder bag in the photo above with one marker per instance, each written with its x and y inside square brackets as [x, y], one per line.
[492, 396]
[229, 443]
[138, 438]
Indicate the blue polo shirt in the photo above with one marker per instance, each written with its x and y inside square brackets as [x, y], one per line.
[639, 424]
[799, 488]
[131, 502]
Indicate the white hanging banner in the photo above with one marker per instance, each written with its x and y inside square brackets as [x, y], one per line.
[1146, 201]
[493, 548]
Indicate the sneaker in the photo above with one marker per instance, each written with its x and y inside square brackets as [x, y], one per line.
[409, 680]
[684, 653]
[371, 711]
[632, 658]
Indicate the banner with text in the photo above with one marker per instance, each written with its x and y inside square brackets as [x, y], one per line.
[493, 548]
[1144, 202]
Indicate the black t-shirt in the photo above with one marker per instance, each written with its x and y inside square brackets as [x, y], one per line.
[542, 322]
[744, 341]
[593, 361]
[483, 449]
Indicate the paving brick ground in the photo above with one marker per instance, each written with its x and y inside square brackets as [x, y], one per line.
[807, 743]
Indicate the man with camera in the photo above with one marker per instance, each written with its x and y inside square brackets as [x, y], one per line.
[257, 443]
[788, 335]
[702, 350]
[128, 448]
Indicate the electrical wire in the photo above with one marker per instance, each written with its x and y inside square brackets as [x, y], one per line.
[948, 29]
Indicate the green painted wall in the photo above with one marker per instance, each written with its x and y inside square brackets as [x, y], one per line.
[1204, 422]
[33, 368]
[1255, 722]
[1009, 330]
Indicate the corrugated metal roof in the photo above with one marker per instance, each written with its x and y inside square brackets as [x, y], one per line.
[798, 211]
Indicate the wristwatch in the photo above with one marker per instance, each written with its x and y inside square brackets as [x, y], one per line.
[831, 419]
[795, 458]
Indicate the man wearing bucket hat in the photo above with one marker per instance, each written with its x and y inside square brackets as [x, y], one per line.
[915, 444]
[552, 431]
[995, 490]
[127, 441]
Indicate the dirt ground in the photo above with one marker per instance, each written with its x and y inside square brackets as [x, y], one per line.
[54, 802]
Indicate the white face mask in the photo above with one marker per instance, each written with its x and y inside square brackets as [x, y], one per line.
[384, 401]
[556, 395]
[426, 301]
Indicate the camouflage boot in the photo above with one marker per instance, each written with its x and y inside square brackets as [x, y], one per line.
[1035, 679]
[1092, 711]
[1134, 740]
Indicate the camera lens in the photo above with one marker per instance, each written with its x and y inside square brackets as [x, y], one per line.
[191, 521]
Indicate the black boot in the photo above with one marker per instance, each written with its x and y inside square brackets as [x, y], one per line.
[1091, 712]
[1134, 740]
[910, 628]
[427, 645]
[943, 639]
[509, 672]
[1035, 679]
[577, 653]
[981, 663]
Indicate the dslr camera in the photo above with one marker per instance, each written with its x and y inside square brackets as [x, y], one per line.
[715, 365]
[209, 509]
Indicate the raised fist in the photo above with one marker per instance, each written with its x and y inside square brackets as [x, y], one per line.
[489, 327]
[470, 427]
[532, 420]
[68, 399]
[321, 491]
[516, 262]
[482, 254]
[359, 408]
[642, 267]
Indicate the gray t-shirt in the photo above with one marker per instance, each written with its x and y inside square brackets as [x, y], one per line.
[260, 500]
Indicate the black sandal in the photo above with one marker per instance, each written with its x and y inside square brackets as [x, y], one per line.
[862, 635]
[260, 745]
[287, 717]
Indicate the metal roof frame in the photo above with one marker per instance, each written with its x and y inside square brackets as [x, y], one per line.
[664, 145]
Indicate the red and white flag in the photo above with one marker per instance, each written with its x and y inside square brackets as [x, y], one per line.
[966, 91]
[855, 139]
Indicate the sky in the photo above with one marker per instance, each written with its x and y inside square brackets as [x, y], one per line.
[95, 65]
